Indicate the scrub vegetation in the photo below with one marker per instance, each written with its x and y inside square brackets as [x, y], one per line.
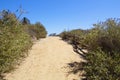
[16, 37]
[103, 45]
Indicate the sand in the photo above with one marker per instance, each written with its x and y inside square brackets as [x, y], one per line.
[47, 60]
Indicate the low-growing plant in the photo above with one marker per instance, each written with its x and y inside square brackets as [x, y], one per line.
[14, 44]
[15, 40]
[73, 36]
[101, 66]
[103, 45]
[36, 30]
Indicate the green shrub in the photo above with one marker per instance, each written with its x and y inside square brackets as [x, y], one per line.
[40, 30]
[73, 36]
[101, 66]
[14, 42]
[103, 45]
[15, 39]
[90, 39]
[36, 30]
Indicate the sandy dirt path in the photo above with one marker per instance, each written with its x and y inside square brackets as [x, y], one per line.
[47, 60]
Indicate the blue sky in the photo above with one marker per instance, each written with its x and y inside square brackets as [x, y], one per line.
[60, 15]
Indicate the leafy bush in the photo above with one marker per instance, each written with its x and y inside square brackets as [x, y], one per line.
[73, 36]
[103, 44]
[89, 40]
[14, 42]
[40, 30]
[104, 64]
[15, 39]
[103, 61]
[36, 30]
[101, 66]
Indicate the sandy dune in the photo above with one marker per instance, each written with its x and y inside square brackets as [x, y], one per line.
[47, 60]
